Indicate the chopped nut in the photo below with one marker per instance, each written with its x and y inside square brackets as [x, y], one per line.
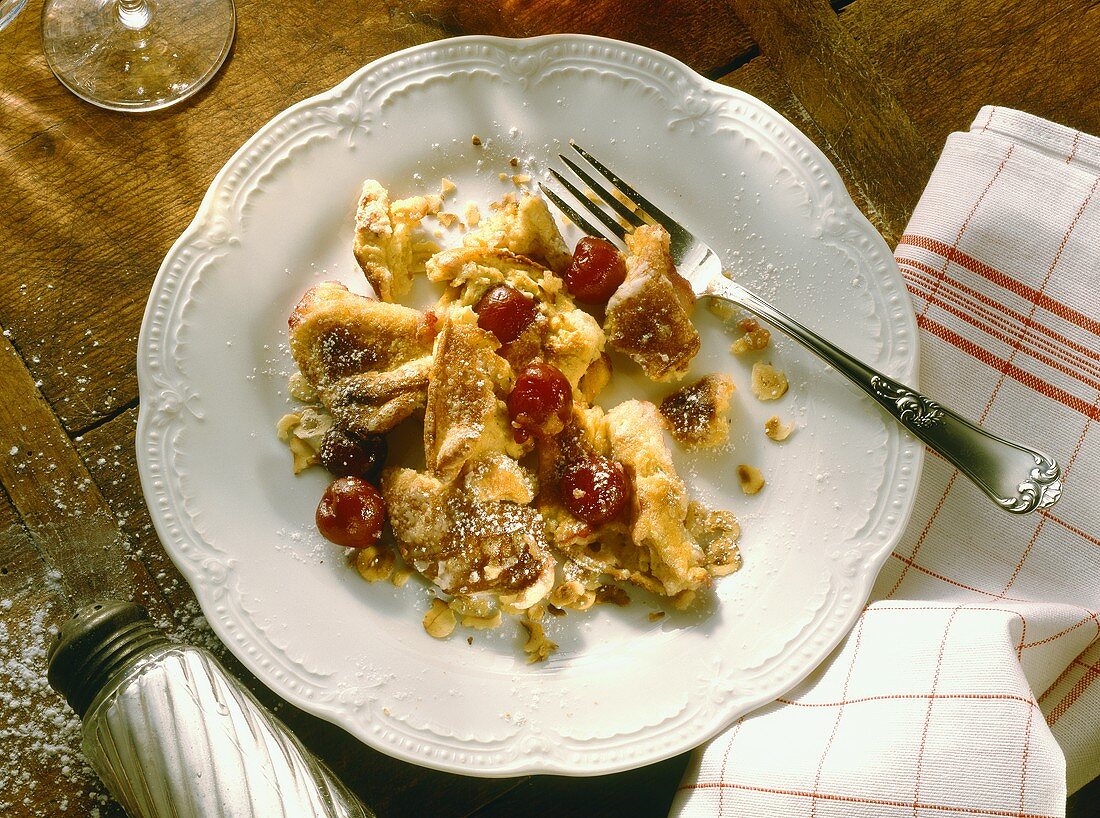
[475, 140]
[483, 623]
[304, 455]
[768, 383]
[752, 341]
[514, 161]
[400, 577]
[572, 595]
[286, 424]
[374, 563]
[303, 432]
[750, 478]
[538, 647]
[717, 532]
[613, 594]
[776, 429]
[656, 616]
[448, 219]
[520, 178]
[446, 186]
[473, 215]
[439, 621]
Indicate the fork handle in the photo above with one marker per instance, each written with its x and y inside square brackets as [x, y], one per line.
[1017, 478]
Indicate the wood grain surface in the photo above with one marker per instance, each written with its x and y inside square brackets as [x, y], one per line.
[91, 200]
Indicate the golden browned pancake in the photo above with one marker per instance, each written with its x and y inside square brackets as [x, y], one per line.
[649, 316]
[476, 521]
[696, 414]
[465, 545]
[367, 360]
[659, 504]
[384, 242]
[524, 227]
[465, 415]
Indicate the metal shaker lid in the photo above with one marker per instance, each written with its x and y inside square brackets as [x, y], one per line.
[97, 642]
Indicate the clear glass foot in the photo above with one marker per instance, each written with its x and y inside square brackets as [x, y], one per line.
[136, 55]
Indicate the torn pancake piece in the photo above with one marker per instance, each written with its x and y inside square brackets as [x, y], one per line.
[696, 414]
[366, 360]
[659, 505]
[525, 227]
[649, 316]
[384, 237]
[465, 415]
[468, 546]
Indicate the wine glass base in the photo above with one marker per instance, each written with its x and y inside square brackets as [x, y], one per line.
[137, 55]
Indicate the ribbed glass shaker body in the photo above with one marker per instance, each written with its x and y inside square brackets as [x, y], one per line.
[172, 733]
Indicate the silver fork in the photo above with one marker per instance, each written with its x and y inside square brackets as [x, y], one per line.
[1018, 478]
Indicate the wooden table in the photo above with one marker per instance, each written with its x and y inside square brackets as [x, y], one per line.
[90, 202]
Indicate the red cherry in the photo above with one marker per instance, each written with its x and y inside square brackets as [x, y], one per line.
[595, 490]
[505, 312]
[597, 270]
[351, 513]
[347, 455]
[541, 401]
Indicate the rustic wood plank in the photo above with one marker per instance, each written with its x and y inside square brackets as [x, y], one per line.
[867, 131]
[55, 496]
[944, 59]
[706, 36]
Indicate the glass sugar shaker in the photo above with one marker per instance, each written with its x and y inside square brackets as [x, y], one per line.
[172, 733]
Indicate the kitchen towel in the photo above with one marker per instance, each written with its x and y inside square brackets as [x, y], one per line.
[970, 685]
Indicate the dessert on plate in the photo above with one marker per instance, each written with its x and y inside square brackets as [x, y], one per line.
[530, 499]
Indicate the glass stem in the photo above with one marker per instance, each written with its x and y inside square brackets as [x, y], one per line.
[134, 14]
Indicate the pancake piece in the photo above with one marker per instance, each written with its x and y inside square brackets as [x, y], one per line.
[649, 316]
[465, 415]
[384, 242]
[524, 227]
[466, 545]
[697, 414]
[368, 361]
[659, 504]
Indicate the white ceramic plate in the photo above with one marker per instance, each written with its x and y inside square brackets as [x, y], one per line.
[623, 690]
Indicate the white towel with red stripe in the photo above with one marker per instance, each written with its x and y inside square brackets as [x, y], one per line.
[970, 686]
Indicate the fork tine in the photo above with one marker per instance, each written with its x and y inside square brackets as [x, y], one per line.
[580, 221]
[646, 206]
[609, 199]
[590, 206]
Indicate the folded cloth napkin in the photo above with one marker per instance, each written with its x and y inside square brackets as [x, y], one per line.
[971, 683]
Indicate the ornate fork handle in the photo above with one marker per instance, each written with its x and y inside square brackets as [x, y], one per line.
[1019, 479]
